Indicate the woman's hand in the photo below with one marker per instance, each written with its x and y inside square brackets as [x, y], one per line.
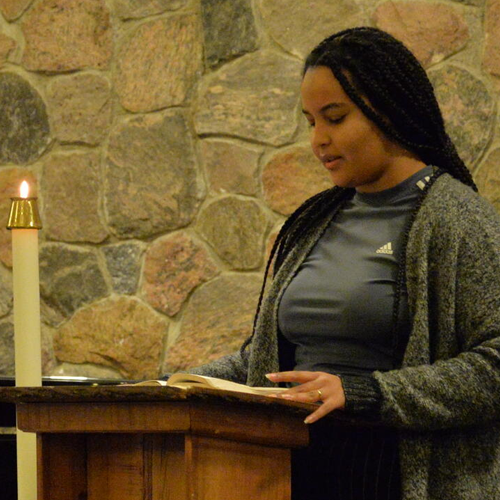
[315, 387]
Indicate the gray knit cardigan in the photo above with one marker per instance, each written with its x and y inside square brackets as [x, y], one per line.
[445, 399]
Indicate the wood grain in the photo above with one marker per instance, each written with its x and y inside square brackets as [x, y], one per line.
[228, 470]
[62, 470]
[103, 417]
[231, 421]
[115, 467]
[169, 477]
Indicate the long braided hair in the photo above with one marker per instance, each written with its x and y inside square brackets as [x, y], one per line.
[371, 64]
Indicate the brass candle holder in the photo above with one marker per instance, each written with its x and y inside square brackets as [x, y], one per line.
[24, 214]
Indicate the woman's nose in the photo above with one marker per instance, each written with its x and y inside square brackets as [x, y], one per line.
[320, 135]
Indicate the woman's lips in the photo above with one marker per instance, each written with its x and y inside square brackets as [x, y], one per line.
[331, 162]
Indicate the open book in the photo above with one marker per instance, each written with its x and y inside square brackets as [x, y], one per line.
[187, 380]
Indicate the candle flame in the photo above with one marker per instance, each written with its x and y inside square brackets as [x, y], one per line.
[24, 190]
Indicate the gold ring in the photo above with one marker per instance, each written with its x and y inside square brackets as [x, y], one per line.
[320, 394]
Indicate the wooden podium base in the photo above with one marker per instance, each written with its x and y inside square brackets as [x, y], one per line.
[130, 443]
[160, 467]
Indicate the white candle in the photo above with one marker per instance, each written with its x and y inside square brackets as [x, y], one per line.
[28, 359]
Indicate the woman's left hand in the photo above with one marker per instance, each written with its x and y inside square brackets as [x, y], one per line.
[315, 387]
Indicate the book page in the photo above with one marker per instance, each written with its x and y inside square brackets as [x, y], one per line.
[188, 380]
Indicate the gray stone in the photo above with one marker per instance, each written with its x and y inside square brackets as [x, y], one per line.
[5, 292]
[124, 265]
[86, 370]
[81, 108]
[66, 35]
[218, 319]
[468, 109]
[120, 333]
[7, 350]
[136, 9]
[7, 45]
[159, 63]
[235, 229]
[254, 97]
[476, 3]
[71, 185]
[24, 124]
[487, 178]
[7, 360]
[152, 181]
[299, 26]
[70, 277]
[231, 167]
[48, 357]
[229, 30]
[51, 317]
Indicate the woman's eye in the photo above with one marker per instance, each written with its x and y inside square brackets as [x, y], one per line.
[333, 121]
[336, 120]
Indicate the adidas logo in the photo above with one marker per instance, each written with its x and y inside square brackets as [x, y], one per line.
[421, 184]
[387, 249]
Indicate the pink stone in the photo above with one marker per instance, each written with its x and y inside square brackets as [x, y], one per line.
[492, 41]
[65, 35]
[71, 185]
[134, 9]
[291, 177]
[299, 26]
[122, 333]
[254, 97]
[431, 31]
[174, 267]
[151, 155]
[158, 64]
[218, 319]
[271, 240]
[231, 168]
[81, 107]
[12, 9]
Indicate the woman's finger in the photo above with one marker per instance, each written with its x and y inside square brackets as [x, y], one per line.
[314, 387]
[311, 396]
[306, 386]
[298, 376]
[323, 410]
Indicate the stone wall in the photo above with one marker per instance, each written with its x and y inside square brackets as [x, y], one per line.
[167, 146]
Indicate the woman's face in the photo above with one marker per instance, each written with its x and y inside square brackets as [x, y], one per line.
[349, 145]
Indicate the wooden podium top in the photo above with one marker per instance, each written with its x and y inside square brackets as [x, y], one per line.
[145, 409]
[137, 393]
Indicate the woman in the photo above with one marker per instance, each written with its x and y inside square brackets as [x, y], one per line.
[385, 299]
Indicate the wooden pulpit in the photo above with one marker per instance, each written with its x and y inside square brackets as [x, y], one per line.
[159, 443]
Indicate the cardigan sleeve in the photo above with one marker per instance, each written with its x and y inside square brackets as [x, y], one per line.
[233, 367]
[460, 384]
[362, 395]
